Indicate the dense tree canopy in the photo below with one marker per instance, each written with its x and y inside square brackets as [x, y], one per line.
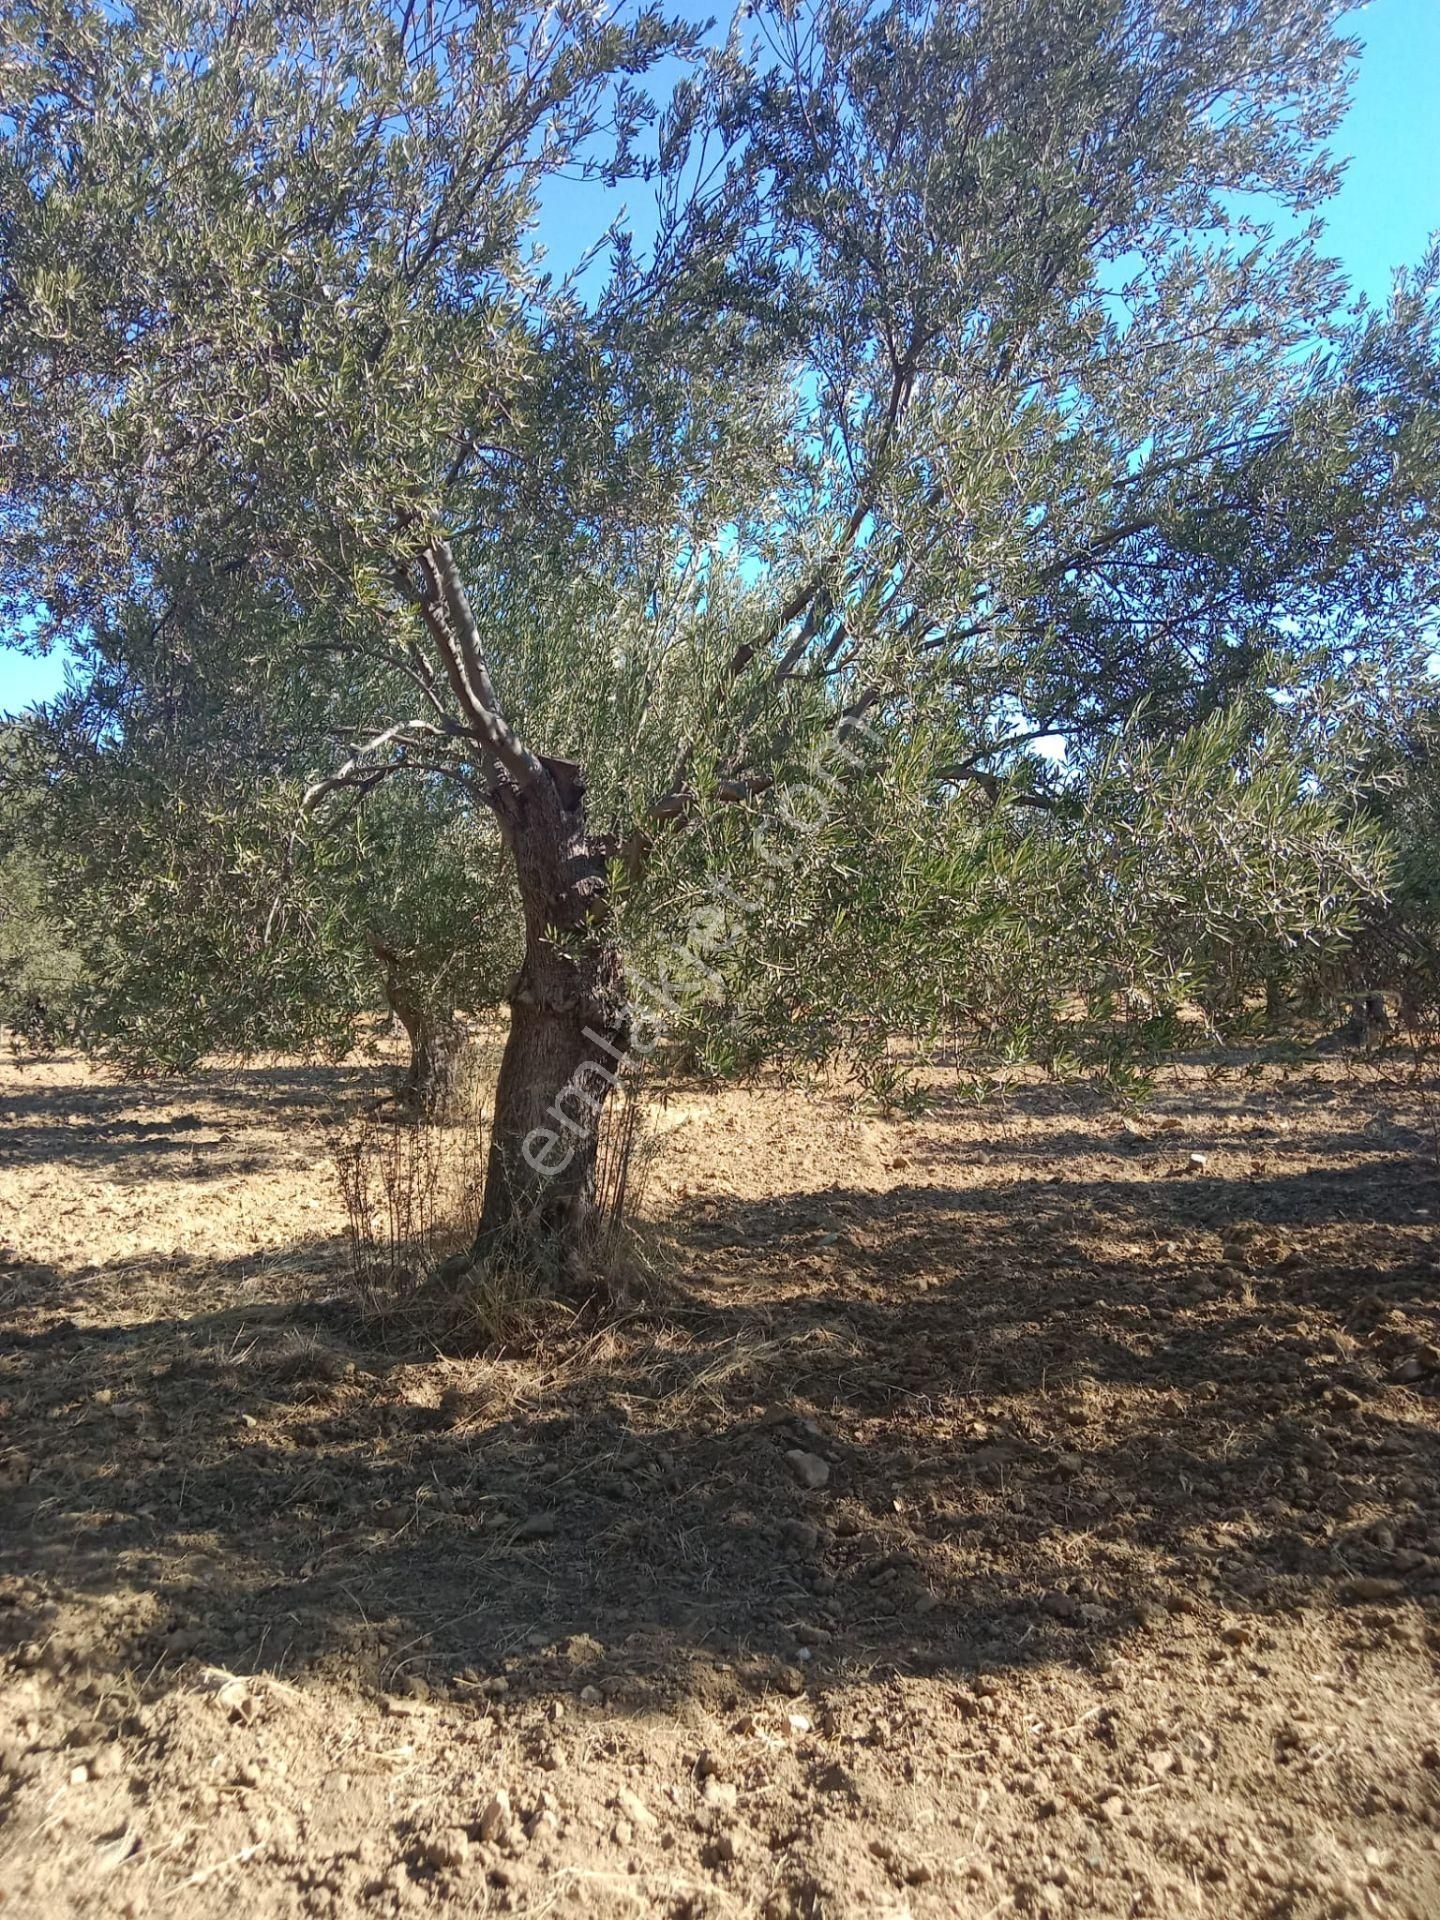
[963, 400]
[164, 809]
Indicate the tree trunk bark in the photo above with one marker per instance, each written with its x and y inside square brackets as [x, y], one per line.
[438, 1041]
[569, 1033]
[436, 1072]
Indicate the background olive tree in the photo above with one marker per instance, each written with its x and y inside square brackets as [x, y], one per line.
[173, 861]
[42, 977]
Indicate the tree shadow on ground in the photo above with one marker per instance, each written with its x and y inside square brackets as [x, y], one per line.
[132, 1130]
[1044, 1417]
[1239, 1110]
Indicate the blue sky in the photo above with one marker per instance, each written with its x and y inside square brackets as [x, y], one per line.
[1390, 201]
[1382, 218]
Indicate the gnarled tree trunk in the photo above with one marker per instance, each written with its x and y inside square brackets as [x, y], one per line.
[438, 1041]
[569, 1031]
[569, 1026]
[434, 1079]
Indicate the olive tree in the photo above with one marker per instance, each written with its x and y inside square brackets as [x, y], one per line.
[958, 399]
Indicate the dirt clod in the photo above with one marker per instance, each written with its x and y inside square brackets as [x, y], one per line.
[808, 1468]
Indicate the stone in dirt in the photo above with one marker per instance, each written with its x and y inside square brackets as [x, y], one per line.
[1372, 1587]
[634, 1808]
[238, 1701]
[446, 1851]
[808, 1468]
[495, 1816]
[115, 1848]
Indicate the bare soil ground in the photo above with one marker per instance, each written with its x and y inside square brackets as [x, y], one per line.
[1120, 1596]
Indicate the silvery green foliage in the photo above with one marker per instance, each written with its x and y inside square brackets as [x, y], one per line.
[849, 912]
[1380, 728]
[42, 979]
[957, 393]
[212, 912]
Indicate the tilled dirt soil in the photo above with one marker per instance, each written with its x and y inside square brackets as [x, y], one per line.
[1014, 1510]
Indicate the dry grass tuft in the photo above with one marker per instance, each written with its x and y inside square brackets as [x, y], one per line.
[299, 1356]
[412, 1189]
[510, 1301]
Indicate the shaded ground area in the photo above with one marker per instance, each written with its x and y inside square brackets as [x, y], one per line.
[1012, 1510]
